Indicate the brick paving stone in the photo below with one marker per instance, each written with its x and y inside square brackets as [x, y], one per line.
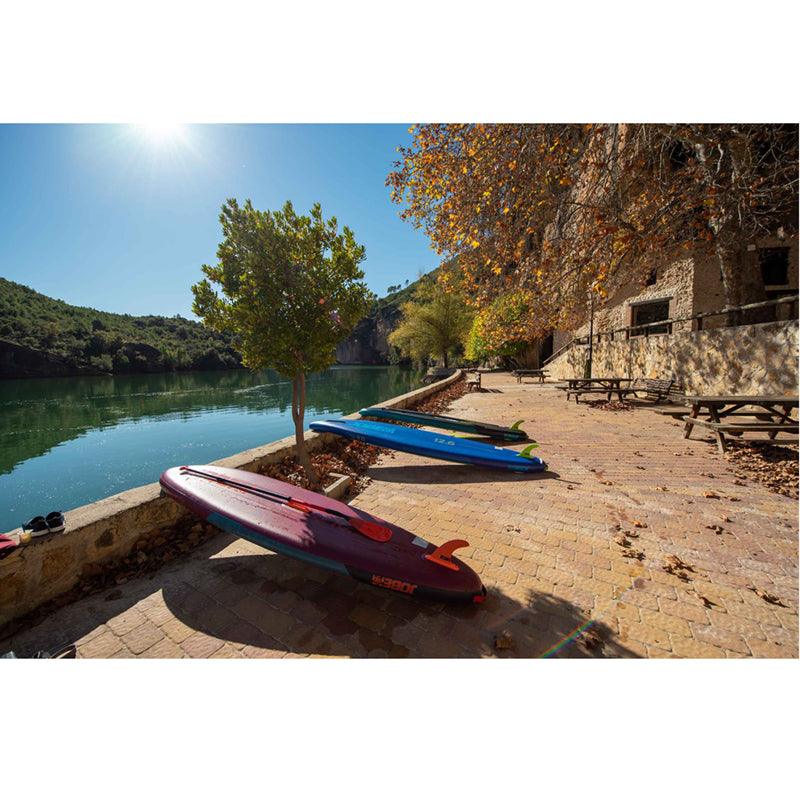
[122, 624]
[164, 648]
[199, 645]
[251, 651]
[728, 641]
[92, 634]
[158, 614]
[780, 635]
[103, 646]
[740, 625]
[367, 617]
[762, 649]
[140, 639]
[672, 624]
[226, 651]
[177, 630]
[123, 652]
[686, 647]
[643, 633]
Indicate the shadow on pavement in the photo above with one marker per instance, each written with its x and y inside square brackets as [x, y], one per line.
[273, 605]
[268, 605]
[452, 473]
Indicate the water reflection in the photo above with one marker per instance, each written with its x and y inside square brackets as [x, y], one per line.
[115, 432]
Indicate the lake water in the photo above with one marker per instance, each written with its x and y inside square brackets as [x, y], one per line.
[65, 442]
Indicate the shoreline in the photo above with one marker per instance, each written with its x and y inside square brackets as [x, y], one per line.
[111, 529]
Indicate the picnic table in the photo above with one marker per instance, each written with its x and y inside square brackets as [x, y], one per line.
[723, 414]
[607, 386]
[533, 373]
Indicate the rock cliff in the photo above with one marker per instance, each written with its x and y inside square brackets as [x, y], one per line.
[17, 361]
[368, 344]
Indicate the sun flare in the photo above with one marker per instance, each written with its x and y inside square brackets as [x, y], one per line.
[162, 132]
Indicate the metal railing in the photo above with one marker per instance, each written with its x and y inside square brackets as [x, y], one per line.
[666, 324]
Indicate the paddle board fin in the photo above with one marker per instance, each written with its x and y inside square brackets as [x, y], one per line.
[515, 426]
[443, 554]
[526, 453]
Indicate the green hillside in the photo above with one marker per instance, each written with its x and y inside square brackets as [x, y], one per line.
[88, 340]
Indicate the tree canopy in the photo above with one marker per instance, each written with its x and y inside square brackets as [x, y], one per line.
[290, 290]
[434, 323]
[549, 212]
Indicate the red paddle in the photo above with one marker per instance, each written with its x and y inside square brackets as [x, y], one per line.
[372, 530]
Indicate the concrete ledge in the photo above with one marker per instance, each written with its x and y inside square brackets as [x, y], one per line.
[109, 529]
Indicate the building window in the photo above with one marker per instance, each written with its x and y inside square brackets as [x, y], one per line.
[651, 278]
[774, 265]
[647, 313]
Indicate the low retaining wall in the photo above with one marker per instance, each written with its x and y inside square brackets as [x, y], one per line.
[109, 529]
[748, 359]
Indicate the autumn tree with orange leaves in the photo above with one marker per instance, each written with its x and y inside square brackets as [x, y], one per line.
[543, 214]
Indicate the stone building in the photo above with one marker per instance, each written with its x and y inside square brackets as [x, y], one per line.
[755, 351]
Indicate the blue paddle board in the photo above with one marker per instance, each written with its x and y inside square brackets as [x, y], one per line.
[432, 445]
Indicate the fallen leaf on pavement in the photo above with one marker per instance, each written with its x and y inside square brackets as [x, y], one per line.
[637, 554]
[765, 595]
[589, 640]
[504, 641]
[676, 562]
[704, 600]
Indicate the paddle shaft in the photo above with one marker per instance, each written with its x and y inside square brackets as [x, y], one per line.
[361, 525]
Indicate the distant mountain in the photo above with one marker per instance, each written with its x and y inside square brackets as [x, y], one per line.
[368, 344]
[41, 337]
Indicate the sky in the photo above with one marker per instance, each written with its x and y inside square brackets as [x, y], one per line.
[120, 217]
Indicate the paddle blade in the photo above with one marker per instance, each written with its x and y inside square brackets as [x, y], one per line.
[371, 530]
[379, 533]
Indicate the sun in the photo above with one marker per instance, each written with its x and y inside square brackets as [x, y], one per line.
[162, 132]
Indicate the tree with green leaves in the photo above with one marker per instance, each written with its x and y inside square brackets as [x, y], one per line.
[290, 290]
[434, 323]
[499, 330]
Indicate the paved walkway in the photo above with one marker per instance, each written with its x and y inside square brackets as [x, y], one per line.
[561, 581]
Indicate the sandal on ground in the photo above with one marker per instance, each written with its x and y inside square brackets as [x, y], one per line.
[55, 522]
[65, 652]
[36, 527]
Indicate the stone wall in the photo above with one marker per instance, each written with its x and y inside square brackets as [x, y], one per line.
[749, 359]
[109, 529]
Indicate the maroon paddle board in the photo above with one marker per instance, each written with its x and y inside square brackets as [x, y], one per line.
[323, 532]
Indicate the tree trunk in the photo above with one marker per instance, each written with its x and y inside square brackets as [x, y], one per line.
[298, 411]
[741, 279]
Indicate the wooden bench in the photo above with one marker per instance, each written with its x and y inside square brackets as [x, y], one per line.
[576, 393]
[737, 428]
[655, 389]
[519, 374]
[473, 381]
